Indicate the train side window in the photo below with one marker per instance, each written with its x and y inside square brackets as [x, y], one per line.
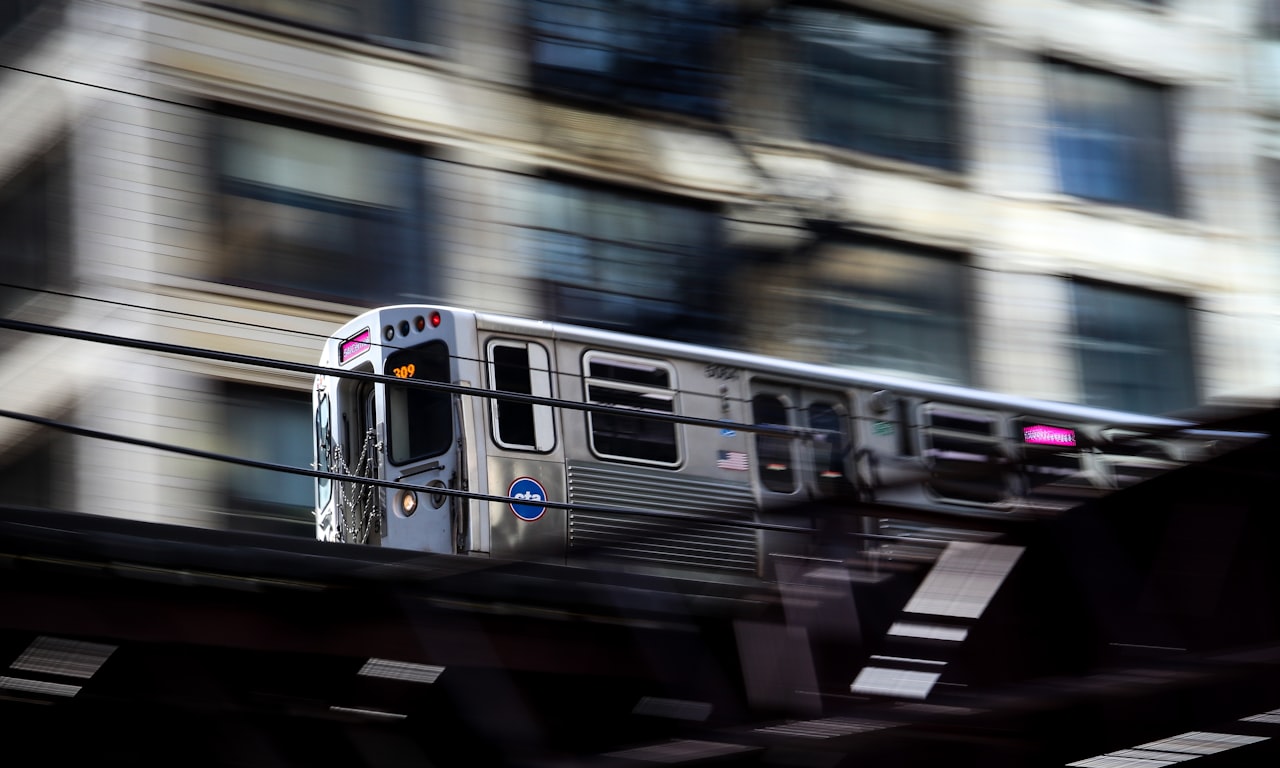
[638, 384]
[963, 448]
[773, 452]
[829, 447]
[521, 368]
[419, 420]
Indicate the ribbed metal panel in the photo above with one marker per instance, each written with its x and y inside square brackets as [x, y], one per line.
[658, 540]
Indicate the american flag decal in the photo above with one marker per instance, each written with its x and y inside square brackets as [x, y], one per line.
[731, 460]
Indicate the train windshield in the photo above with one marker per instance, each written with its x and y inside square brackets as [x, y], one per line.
[419, 420]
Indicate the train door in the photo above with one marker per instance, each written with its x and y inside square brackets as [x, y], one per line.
[792, 469]
[524, 455]
[421, 448]
[347, 443]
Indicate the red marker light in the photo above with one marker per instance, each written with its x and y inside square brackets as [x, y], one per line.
[419, 323]
[435, 319]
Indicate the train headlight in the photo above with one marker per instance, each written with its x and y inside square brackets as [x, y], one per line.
[407, 502]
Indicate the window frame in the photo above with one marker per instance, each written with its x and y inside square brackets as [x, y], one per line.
[1127, 148]
[1188, 394]
[995, 469]
[541, 417]
[699, 73]
[405, 226]
[770, 446]
[835, 288]
[946, 154]
[577, 236]
[391, 11]
[670, 393]
[398, 428]
[260, 513]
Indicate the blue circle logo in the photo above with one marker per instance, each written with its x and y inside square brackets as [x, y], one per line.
[530, 492]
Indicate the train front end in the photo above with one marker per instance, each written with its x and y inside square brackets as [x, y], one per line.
[406, 434]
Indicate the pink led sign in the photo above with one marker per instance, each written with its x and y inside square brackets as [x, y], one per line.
[1040, 434]
[355, 346]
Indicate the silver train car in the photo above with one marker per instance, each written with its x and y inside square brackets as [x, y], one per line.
[518, 439]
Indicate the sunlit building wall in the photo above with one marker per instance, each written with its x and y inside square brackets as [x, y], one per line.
[1069, 199]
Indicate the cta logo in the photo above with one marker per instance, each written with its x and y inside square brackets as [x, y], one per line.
[529, 492]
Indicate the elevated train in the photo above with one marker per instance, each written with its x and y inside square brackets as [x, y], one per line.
[519, 439]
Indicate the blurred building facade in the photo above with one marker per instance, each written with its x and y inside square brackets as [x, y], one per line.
[1066, 199]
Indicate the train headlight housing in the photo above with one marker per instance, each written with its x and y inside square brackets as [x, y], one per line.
[407, 502]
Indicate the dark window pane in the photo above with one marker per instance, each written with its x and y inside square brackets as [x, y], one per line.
[1134, 349]
[419, 420]
[514, 424]
[274, 426]
[773, 452]
[384, 21]
[629, 262]
[877, 85]
[12, 12]
[830, 448]
[890, 308]
[656, 54]
[622, 436]
[1111, 139]
[34, 211]
[312, 213]
[34, 472]
[964, 454]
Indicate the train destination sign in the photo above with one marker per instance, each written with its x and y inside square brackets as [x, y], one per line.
[355, 346]
[1040, 434]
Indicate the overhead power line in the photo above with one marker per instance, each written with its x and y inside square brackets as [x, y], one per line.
[440, 386]
[682, 517]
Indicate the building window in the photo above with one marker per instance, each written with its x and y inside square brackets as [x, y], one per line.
[322, 214]
[523, 368]
[1111, 138]
[403, 23]
[887, 307]
[655, 54]
[35, 472]
[876, 85]
[34, 215]
[271, 425]
[1134, 348]
[12, 12]
[629, 262]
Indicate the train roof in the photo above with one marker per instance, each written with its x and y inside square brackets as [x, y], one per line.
[824, 374]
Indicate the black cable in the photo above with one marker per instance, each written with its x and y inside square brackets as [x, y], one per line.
[266, 327]
[173, 312]
[682, 517]
[439, 386]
